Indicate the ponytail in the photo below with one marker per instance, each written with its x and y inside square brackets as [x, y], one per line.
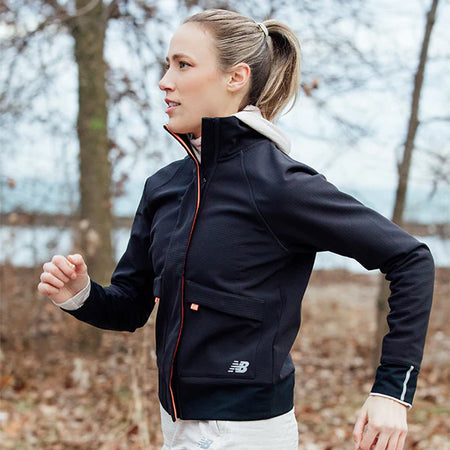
[273, 58]
[284, 77]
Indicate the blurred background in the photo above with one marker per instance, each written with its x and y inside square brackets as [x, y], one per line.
[81, 121]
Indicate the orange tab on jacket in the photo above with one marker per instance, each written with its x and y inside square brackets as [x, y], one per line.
[156, 299]
[194, 306]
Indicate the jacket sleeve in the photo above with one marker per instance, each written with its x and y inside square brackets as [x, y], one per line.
[127, 303]
[309, 214]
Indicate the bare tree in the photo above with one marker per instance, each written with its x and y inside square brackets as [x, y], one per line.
[404, 168]
[339, 66]
[31, 28]
[88, 30]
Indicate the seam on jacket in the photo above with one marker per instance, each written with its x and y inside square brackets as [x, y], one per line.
[274, 236]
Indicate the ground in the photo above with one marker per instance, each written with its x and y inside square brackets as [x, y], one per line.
[55, 397]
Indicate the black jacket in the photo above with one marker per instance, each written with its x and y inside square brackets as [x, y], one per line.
[226, 248]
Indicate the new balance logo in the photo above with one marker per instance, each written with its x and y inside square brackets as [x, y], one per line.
[204, 443]
[239, 366]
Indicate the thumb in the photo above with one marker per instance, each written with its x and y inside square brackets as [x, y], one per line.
[358, 429]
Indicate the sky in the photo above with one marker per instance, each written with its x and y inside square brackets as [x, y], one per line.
[396, 35]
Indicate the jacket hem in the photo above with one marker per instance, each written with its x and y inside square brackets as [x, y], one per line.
[233, 402]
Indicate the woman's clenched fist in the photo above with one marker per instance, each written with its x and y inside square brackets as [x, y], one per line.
[62, 277]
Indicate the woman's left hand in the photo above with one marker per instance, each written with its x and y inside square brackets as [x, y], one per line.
[386, 425]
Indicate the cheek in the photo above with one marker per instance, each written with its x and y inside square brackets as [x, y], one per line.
[204, 82]
[207, 93]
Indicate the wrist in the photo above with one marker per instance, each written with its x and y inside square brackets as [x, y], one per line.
[405, 404]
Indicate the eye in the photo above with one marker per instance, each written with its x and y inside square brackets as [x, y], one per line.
[183, 64]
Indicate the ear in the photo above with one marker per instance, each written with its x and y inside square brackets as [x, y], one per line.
[238, 77]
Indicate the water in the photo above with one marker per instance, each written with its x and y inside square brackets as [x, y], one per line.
[31, 246]
[39, 195]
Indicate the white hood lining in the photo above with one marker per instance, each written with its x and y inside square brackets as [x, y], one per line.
[251, 115]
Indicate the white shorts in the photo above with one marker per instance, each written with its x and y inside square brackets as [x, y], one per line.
[279, 432]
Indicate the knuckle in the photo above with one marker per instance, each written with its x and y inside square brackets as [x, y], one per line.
[57, 259]
[46, 277]
[400, 428]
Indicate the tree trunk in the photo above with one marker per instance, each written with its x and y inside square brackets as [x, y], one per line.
[403, 176]
[95, 226]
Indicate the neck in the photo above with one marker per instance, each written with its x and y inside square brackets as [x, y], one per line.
[196, 143]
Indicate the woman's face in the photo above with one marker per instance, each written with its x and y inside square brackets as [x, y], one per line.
[195, 87]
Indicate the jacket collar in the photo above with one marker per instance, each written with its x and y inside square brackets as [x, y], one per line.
[224, 136]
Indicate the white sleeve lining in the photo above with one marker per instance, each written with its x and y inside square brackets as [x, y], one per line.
[376, 394]
[77, 300]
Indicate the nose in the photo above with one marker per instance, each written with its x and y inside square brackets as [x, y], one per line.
[165, 83]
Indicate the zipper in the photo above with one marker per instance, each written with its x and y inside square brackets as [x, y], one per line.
[203, 183]
[184, 264]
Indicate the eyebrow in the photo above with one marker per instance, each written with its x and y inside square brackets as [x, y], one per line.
[177, 56]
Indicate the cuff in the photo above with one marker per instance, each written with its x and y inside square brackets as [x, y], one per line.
[396, 381]
[77, 300]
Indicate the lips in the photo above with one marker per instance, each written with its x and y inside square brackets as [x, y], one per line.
[171, 105]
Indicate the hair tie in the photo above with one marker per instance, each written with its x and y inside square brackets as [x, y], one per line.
[263, 29]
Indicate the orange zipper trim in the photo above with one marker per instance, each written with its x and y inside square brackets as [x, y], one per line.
[184, 265]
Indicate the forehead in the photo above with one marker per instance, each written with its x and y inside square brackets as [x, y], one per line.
[192, 40]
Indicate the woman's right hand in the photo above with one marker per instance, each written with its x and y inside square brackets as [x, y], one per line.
[62, 277]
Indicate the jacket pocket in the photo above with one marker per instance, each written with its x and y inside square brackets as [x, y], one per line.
[161, 322]
[221, 333]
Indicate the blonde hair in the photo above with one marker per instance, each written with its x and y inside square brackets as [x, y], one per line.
[274, 60]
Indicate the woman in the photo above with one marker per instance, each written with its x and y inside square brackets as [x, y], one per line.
[225, 240]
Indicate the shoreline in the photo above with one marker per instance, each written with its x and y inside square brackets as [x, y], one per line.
[319, 276]
[26, 219]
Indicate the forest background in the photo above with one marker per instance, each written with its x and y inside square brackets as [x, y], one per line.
[80, 131]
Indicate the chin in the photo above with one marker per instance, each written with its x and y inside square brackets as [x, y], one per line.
[180, 128]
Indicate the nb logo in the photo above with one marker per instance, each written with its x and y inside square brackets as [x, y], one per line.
[204, 443]
[239, 366]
